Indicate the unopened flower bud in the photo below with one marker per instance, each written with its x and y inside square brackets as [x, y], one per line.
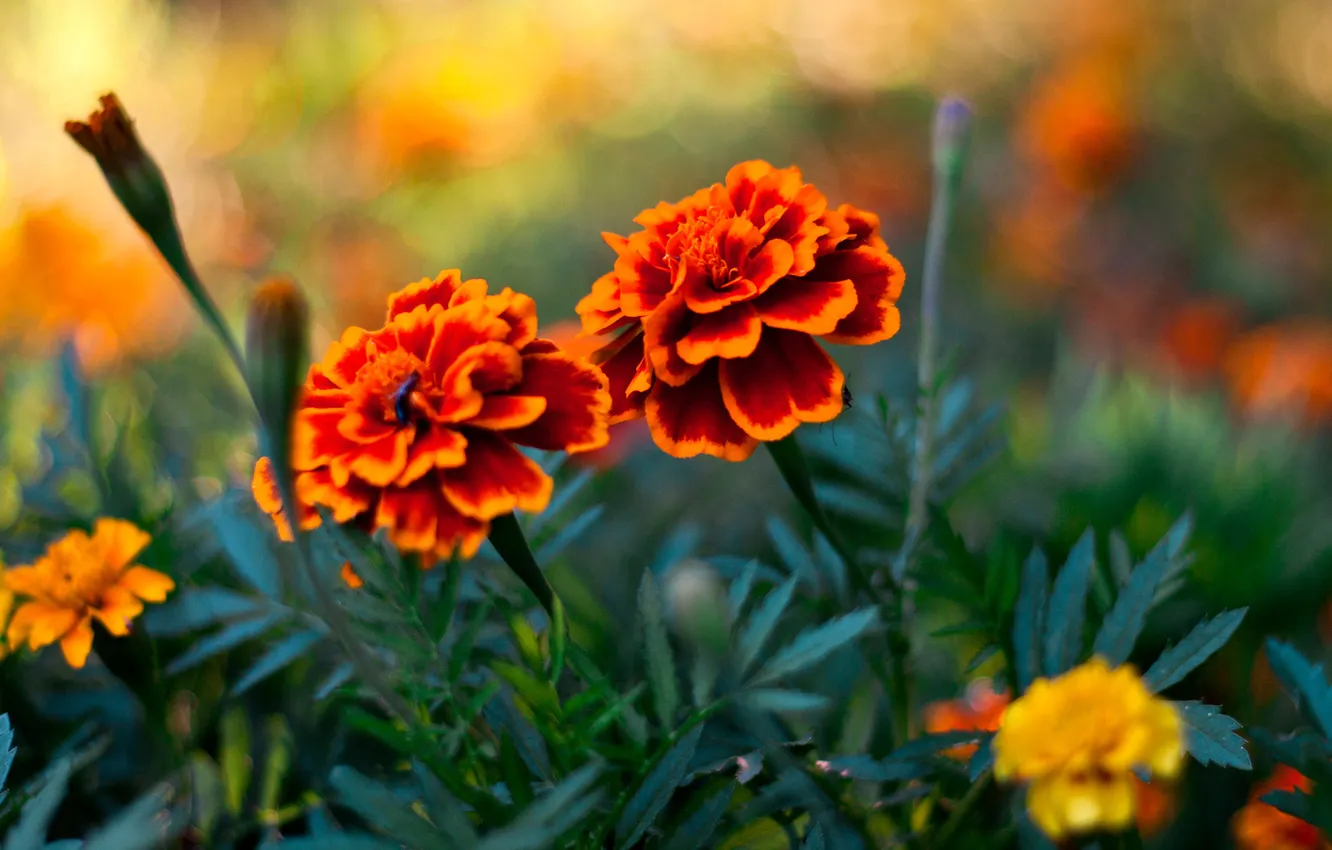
[275, 352]
[698, 608]
[952, 121]
[109, 136]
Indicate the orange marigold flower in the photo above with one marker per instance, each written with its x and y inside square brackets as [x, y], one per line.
[718, 300]
[980, 709]
[1259, 826]
[1283, 369]
[413, 427]
[80, 577]
[349, 576]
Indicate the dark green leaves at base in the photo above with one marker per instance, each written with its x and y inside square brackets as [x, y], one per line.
[656, 790]
[1197, 646]
[1304, 682]
[1029, 619]
[1068, 607]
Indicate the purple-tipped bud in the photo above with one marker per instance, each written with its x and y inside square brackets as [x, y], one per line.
[952, 120]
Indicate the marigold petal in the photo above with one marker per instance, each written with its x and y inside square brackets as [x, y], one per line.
[577, 404]
[810, 306]
[520, 311]
[28, 580]
[265, 487]
[788, 380]
[773, 262]
[49, 623]
[350, 578]
[458, 533]
[425, 292]
[506, 412]
[118, 609]
[316, 440]
[878, 278]
[123, 541]
[377, 464]
[599, 310]
[20, 624]
[148, 585]
[742, 181]
[461, 327]
[733, 332]
[344, 358]
[437, 448]
[643, 275]
[661, 332]
[496, 479]
[490, 367]
[863, 227]
[77, 643]
[411, 514]
[628, 375]
[690, 420]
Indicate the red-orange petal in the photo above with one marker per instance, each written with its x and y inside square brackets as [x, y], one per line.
[578, 404]
[809, 306]
[455, 532]
[265, 487]
[662, 330]
[496, 479]
[316, 440]
[506, 412]
[520, 311]
[425, 292]
[344, 358]
[377, 464]
[863, 227]
[788, 380]
[437, 448]
[734, 332]
[599, 310]
[878, 278]
[643, 278]
[461, 327]
[691, 420]
[628, 376]
[317, 488]
[411, 514]
[490, 367]
[769, 265]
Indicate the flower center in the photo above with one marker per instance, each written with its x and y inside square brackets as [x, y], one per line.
[391, 378]
[76, 577]
[696, 243]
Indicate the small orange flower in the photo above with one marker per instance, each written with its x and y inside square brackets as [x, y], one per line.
[1283, 369]
[980, 709]
[80, 577]
[1259, 826]
[349, 576]
[413, 427]
[1196, 336]
[718, 301]
[1079, 124]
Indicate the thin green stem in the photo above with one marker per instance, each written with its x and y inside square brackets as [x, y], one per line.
[961, 810]
[173, 251]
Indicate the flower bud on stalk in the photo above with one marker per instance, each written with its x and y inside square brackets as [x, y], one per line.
[952, 122]
[276, 341]
[139, 185]
[698, 608]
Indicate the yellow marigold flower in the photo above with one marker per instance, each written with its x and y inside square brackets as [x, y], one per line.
[79, 577]
[1077, 739]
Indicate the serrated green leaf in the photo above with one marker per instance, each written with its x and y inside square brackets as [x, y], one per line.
[139, 827]
[552, 814]
[1294, 802]
[1210, 736]
[383, 811]
[696, 830]
[7, 751]
[982, 760]
[557, 641]
[338, 677]
[564, 496]
[815, 644]
[248, 544]
[569, 532]
[343, 841]
[656, 790]
[657, 652]
[792, 553]
[784, 702]
[446, 813]
[277, 761]
[1029, 619]
[762, 623]
[462, 649]
[516, 777]
[738, 594]
[501, 713]
[1068, 607]
[831, 565]
[506, 535]
[1122, 626]
[612, 712]
[930, 745]
[195, 607]
[538, 693]
[234, 758]
[224, 639]
[35, 818]
[1304, 683]
[1121, 558]
[814, 839]
[277, 657]
[1197, 646]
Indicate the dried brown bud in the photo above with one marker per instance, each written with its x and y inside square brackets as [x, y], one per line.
[109, 136]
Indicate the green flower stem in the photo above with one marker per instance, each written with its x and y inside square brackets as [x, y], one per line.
[961, 810]
[171, 247]
[790, 460]
[506, 535]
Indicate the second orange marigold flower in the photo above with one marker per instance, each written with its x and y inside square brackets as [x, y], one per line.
[719, 300]
[414, 427]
